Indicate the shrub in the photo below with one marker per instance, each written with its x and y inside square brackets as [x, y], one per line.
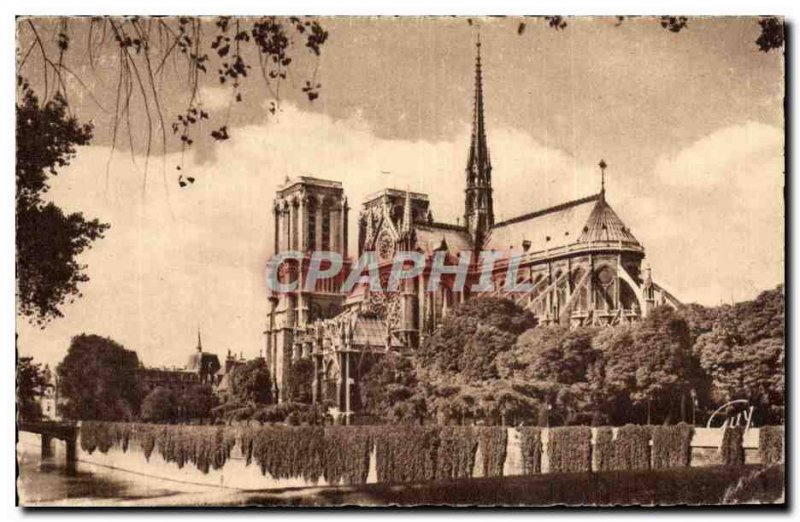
[455, 456]
[204, 446]
[493, 441]
[763, 485]
[285, 452]
[603, 449]
[406, 453]
[770, 444]
[530, 442]
[732, 449]
[569, 449]
[346, 454]
[631, 448]
[672, 446]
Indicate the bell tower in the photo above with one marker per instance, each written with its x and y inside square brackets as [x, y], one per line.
[478, 204]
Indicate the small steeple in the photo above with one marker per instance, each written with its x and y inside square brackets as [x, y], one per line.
[199, 342]
[407, 213]
[602, 166]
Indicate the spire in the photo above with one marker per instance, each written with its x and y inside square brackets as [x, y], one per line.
[478, 163]
[478, 206]
[407, 213]
[602, 166]
[199, 342]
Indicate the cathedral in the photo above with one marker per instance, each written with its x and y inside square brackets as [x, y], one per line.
[579, 265]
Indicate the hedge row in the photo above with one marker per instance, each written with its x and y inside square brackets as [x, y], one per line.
[493, 441]
[732, 449]
[569, 449]
[530, 442]
[672, 446]
[770, 444]
[341, 454]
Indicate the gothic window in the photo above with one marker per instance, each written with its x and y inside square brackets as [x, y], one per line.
[326, 227]
[311, 226]
[294, 227]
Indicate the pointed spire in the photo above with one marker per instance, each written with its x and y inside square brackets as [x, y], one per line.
[479, 162]
[407, 213]
[199, 342]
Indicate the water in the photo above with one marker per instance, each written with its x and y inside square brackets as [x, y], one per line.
[50, 483]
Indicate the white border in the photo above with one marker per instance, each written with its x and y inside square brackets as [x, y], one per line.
[787, 8]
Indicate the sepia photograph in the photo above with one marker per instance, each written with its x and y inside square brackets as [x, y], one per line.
[396, 261]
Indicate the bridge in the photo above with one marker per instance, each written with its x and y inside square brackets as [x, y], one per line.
[66, 431]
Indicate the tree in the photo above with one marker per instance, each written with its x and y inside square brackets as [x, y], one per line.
[32, 383]
[471, 336]
[301, 377]
[160, 405]
[251, 384]
[48, 240]
[744, 354]
[651, 364]
[196, 402]
[98, 380]
[389, 390]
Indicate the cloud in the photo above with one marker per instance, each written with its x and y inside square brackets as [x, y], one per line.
[178, 259]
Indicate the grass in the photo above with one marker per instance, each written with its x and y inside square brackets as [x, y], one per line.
[676, 486]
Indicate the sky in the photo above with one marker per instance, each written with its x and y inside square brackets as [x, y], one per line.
[690, 124]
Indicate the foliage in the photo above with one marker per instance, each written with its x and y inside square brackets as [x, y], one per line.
[455, 455]
[301, 377]
[406, 453]
[346, 454]
[471, 337]
[287, 451]
[763, 485]
[389, 390]
[196, 402]
[731, 448]
[770, 444]
[32, 383]
[48, 241]
[672, 446]
[772, 34]
[493, 441]
[657, 381]
[603, 449]
[160, 406]
[251, 384]
[530, 442]
[98, 380]
[744, 354]
[631, 448]
[149, 51]
[204, 446]
[569, 449]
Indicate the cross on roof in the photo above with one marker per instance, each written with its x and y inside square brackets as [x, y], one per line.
[602, 166]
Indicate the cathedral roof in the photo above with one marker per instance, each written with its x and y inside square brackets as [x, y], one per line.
[431, 235]
[584, 220]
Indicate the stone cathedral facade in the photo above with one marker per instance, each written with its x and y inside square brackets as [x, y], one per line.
[581, 263]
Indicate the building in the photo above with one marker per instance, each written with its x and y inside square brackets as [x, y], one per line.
[582, 264]
[201, 369]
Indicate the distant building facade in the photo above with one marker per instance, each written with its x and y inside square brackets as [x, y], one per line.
[582, 263]
[201, 369]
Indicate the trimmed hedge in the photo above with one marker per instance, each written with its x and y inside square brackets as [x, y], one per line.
[204, 446]
[603, 448]
[455, 457]
[631, 448]
[493, 441]
[672, 446]
[770, 444]
[406, 453]
[732, 450]
[530, 442]
[569, 449]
